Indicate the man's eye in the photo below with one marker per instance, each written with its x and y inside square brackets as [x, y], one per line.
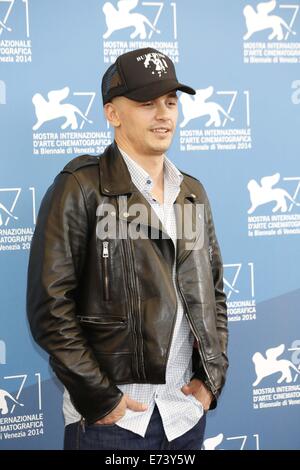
[148, 103]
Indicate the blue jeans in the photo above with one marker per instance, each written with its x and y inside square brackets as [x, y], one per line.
[113, 437]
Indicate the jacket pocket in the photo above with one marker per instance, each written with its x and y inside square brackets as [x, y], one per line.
[107, 337]
[103, 321]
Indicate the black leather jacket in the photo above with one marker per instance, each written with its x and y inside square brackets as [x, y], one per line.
[105, 312]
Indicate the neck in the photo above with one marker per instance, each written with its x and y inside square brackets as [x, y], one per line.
[153, 165]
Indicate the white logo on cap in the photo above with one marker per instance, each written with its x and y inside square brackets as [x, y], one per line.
[156, 62]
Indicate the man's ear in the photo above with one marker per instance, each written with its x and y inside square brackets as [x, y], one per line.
[111, 114]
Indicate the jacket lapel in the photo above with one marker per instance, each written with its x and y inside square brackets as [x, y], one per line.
[115, 180]
[188, 220]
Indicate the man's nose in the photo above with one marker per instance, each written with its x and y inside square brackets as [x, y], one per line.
[162, 111]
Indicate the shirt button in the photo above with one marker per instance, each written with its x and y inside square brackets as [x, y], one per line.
[148, 181]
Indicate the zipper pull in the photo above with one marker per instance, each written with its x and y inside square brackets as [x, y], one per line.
[105, 253]
[210, 253]
[82, 424]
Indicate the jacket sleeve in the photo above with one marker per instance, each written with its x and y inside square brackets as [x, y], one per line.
[56, 259]
[220, 296]
[220, 303]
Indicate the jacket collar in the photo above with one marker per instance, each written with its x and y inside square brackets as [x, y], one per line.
[115, 180]
[114, 175]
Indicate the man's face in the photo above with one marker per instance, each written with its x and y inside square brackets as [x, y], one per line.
[144, 129]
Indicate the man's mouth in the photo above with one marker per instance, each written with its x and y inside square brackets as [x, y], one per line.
[161, 130]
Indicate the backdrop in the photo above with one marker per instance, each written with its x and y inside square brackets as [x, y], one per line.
[239, 135]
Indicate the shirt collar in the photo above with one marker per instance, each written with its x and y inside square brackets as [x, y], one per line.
[143, 181]
[172, 174]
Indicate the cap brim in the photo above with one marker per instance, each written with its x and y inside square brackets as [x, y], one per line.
[154, 90]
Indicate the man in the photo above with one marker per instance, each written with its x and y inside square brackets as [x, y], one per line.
[133, 315]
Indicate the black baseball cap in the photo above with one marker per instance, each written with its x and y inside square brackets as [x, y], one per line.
[141, 75]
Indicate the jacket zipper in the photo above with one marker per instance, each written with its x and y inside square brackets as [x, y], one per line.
[174, 319]
[136, 309]
[131, 298]
[172, 332]
[105, 256]
[192, 326]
